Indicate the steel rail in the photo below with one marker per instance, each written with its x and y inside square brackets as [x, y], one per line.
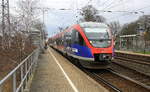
[128, 67]
[99, 78]
[133, 60]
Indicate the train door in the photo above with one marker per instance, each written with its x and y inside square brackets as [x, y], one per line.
[81, 40]
[78, 43]
[76, 38]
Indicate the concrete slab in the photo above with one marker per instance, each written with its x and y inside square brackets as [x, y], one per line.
[56, 74]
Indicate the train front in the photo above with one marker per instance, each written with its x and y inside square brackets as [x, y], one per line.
[99, 40]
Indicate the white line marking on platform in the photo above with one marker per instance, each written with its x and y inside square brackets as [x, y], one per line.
[70, 82]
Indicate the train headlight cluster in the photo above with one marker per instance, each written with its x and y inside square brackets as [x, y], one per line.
[104, 56]
[109, 42]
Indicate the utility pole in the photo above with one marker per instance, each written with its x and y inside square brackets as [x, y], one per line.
[43, 34]
[44, 10]
[5, 21]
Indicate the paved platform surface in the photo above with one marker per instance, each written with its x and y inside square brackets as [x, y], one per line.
[54, 73]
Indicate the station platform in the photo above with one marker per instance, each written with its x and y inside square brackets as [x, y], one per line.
[55, 73]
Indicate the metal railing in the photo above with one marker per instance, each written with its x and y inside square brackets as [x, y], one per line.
[26, 69]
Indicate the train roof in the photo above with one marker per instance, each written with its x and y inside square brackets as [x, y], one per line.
[84, 25]
[93, 24]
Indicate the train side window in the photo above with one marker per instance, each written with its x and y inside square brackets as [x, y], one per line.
[68, 38]
[65, 40]
[74, 37]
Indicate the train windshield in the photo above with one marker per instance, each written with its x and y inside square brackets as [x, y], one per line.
[98, 37]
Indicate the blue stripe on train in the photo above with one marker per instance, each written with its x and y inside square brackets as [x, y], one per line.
[82, 51]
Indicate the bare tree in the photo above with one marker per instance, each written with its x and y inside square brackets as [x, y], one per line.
[99, 18]
[90, 13]
[116, 27]
[23, 26]
[27, 13]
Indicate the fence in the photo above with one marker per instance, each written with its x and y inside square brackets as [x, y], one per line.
[26, 69]
[132, 43]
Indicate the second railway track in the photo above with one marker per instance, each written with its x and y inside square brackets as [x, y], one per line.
[131, 74]
[137, 62]
[116, 82]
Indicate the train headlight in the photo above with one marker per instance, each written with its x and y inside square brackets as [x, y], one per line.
[104, 56]
[91, 42]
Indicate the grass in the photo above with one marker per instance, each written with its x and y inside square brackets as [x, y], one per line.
[144, 52]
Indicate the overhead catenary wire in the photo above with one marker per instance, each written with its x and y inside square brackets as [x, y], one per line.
[143, 8]
[118, 17]
[104, 3]
[124, 14]
[109, 4]
[137, 11]
[117, 4]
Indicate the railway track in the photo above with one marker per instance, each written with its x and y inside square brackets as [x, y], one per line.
[132, 75]
[113, 80]
[100, 80]
[141, 66]
[95, 76]
[136, 58]
[118, 82]
[136, 69]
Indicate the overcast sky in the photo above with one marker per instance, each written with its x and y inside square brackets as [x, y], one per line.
[58, 18]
